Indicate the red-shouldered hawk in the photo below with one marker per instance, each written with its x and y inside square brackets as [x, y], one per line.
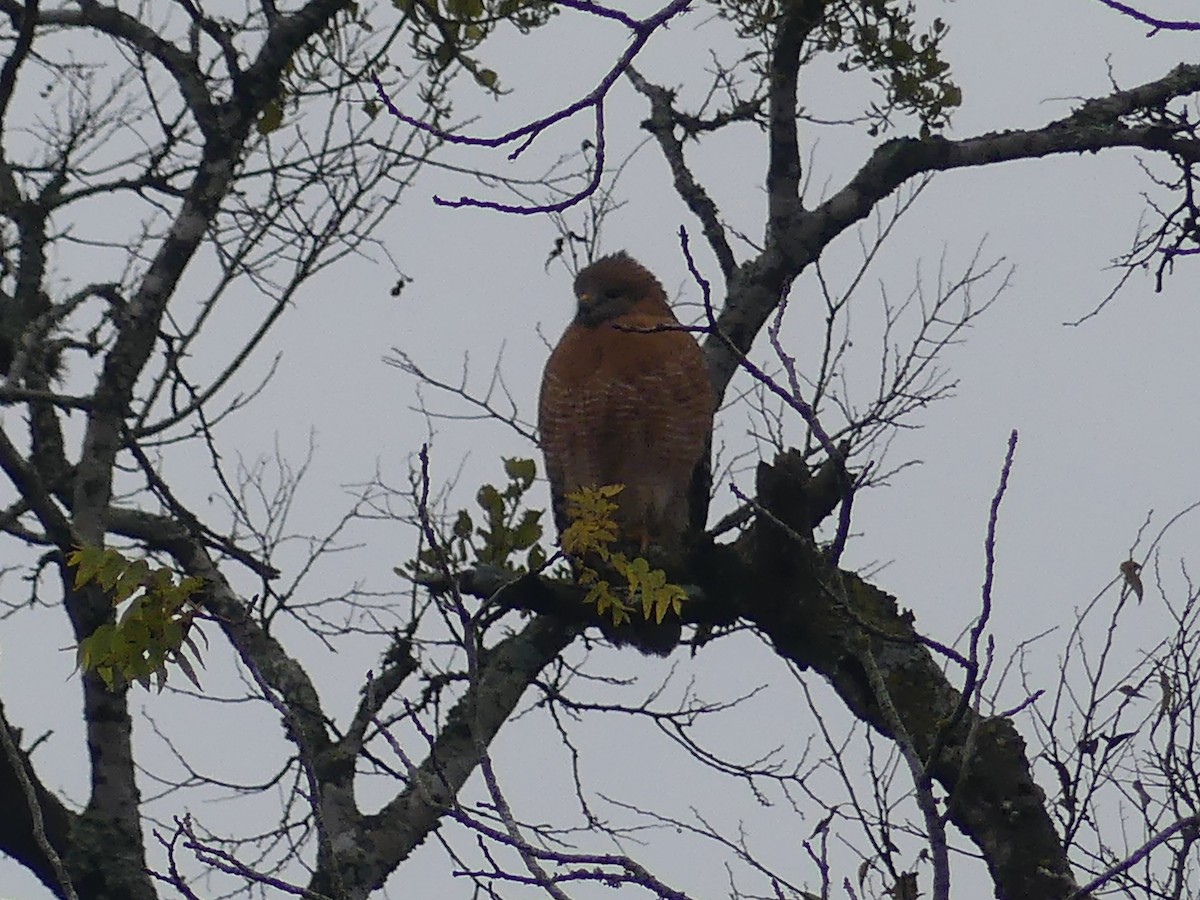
[622, 403]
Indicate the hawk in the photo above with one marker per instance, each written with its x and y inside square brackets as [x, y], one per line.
[626, 399]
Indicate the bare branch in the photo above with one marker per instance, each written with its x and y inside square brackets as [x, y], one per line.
[641, 29]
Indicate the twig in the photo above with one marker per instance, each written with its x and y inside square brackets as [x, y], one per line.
[989, 549]
[642, 29]
[35, 811]
[1192, 821]
[792, 399]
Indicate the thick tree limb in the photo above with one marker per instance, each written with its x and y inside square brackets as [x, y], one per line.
[662, 124]
[106, 857]
[853, 634]
[379, 843]
[25, 20]
[835, 623]
[796, 241]
[387, 838]
[783, 176]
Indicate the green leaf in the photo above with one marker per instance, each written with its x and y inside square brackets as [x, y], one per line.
[191, 584]
[463, 526]
[536, 558]
[271, 118]
[492, 503]
[130, 581]
[112, 564]
[95, 648]
[465, 9]
[87, 562]
[522, 471]
[172, 633]
[528, 532]
[133, 611]
[107, 674]
[151, 628]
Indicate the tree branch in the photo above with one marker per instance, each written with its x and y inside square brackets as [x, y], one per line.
[783, 162]
[662, 124]
[507, 670]
[814, 616]
[24, 21]
[124, 27]
[799, 241]
[36, 827]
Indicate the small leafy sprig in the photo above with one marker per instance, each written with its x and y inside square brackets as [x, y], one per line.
[153, 630]
[508, 529]
[593, 532]
[505, 529]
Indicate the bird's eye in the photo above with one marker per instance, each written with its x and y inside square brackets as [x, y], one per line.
[613, 293]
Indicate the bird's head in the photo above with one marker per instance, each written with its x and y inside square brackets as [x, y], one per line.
[614, 286]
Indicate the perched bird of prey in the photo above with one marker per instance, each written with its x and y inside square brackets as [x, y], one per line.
[626, 399]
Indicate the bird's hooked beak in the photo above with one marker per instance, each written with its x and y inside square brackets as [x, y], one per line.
[588, 312]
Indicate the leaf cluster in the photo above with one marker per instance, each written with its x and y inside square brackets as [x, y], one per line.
[153, 630]
[449, 33]
[592, 533]
[330, 50]
[881, 36]
[497, 534]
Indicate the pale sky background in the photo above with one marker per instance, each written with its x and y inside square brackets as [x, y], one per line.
[1106, 411]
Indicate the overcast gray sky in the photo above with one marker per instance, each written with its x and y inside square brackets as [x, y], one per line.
[1106, 410]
